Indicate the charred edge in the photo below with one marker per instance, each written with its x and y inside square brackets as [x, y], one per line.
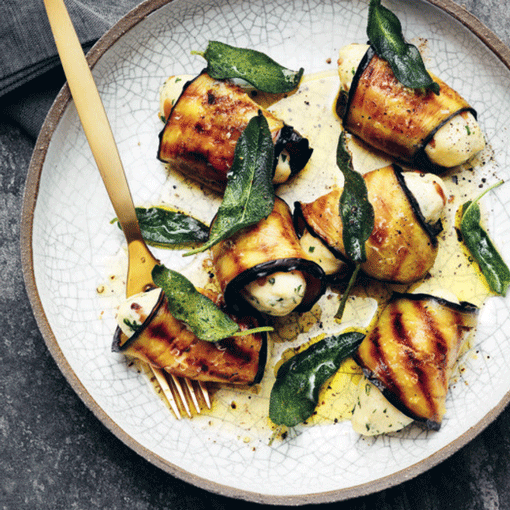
[431, 230]
[314, 275]
[160, 136]
[344, 103]
[297, 147]
[118, 345]
[421, 159]
[462, 307]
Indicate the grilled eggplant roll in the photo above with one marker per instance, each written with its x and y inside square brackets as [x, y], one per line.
[403, 245]
[265, 265]
[416, 126]
[411, 353]
[165, 342]
[203, 127]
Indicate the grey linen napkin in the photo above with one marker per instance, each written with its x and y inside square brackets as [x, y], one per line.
[30, 73]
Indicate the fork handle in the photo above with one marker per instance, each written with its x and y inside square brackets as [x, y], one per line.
[102, 143]
[93, 117]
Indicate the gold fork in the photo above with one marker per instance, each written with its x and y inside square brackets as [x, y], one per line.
[104, 149]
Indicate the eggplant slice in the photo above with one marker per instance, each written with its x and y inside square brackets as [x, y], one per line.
[402, 247]
[166, 343]
[393, 118]
[202, 130]
[269, 247]
[411, 353]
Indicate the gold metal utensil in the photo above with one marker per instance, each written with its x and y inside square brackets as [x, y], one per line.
[104, 149]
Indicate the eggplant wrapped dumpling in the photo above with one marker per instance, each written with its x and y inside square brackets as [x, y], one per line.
[430, 131]
[204, 119]
[407, 218]
[265, 266]
[410, 356]
[148, 331]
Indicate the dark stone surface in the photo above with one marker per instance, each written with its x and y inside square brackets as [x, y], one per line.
[55, 454]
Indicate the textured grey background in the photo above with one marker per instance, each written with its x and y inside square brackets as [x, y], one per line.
[54, 454]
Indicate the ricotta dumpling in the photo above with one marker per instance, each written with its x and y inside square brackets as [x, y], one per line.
[402, 247]
[416, 126]
[205, 117]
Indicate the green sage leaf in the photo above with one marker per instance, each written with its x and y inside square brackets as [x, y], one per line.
[295, 393]
[249, 195]
[185, 303]
[164, 228]
[202, 316]
[356, 211]
[266, 75]
[481, 247]
[385, 34]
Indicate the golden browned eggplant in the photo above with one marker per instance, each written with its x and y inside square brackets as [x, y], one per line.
[415, 126]
[265, 265]
[411, 353]
[165, 342]
[403, 245]
[203, 127]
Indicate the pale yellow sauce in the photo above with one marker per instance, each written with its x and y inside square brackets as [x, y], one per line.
[243, 412]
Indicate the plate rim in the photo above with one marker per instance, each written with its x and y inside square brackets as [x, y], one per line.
[53, 118]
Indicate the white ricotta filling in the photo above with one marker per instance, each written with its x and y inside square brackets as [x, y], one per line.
[456, 142]
[430, 194]
[282, 170]
[134, 310]
[349, 59]
[373, 414]
[277, 294]
[319, 253]
[170, 92]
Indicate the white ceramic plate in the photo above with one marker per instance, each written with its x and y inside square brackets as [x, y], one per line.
[67, 242]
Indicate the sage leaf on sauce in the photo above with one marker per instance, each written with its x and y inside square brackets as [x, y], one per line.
[385, 34]
[249, 195]
[481, 247]
[357, 215]
[165, 228]
[262, 72]
[295, 393]
[206, 320]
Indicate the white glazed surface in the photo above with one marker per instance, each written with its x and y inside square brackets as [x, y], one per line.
[74, 243]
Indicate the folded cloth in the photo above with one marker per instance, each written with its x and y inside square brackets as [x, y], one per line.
[28, 48]
[30, 71]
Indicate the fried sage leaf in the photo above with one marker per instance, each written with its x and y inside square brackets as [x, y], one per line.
[357, 215]
[249, 196]
[295, 393]
[166, 228]
[385, 34]
[266, 75]
[356, 211]
[203, 317]
[481, 247]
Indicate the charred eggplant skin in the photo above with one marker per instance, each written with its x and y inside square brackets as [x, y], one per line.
[402, 247]
[166, 343]
[412, 350]
[393, 118]
[266, 248]
[204, 125]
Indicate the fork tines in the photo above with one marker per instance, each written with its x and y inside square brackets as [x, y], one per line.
[179, 395]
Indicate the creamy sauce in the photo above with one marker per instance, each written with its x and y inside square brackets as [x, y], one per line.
[243, 412]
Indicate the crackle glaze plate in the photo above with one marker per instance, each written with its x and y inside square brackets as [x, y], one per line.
[71, 250]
